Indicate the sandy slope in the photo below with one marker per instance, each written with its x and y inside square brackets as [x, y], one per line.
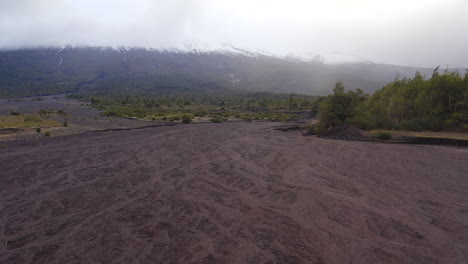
[230, 193]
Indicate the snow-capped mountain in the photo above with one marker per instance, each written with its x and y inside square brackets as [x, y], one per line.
[335, 58]
[57, 69]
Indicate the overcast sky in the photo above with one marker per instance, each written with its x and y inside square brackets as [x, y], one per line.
[406, 32]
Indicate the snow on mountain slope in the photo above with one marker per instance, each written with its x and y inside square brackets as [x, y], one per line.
[335, 58]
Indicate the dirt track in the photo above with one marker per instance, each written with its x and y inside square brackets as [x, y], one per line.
[230, 193]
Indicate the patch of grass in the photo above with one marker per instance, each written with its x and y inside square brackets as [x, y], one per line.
[149, 106]
[31, 118]
[174, 118]
[462, 136]
[382, 135]
[44, 112]
[26, 121]
[51, 112]
[47, 133]
[216, 120]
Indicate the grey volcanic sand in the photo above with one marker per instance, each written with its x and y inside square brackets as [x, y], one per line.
[80, 117]
[230, 193]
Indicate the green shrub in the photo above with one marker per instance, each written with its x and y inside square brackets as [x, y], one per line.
[201, 113]
[44, 112]
[65, 123]
[216, 120]
[174, 118]
[423, 124]
[383, 135]
[363, 122]
[409, 125]
[30, 118]
[186, 119]
[38, 130]
[309, 129]
[279, 117]
[47, 133]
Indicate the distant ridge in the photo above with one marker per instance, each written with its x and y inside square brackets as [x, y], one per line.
[335, 58]
[50, 70]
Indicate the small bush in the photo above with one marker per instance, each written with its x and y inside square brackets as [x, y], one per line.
[43, 112]
[65, 123]
[383, 135]
[30, 118]
[38, 130]
[15, 113]
[409, 125]
[216, 120]
[450, 124]
[47, 133]
[363, 122]
[309, 129]
[174, 118]
[186, 119]
[463, 128]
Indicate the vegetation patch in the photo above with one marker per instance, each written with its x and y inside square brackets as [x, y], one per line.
[175, 108]
[382, 135]
[439, 103]
[186, 119]
[26, 121]
[217, 120]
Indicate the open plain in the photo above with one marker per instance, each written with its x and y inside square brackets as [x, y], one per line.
[239, 192]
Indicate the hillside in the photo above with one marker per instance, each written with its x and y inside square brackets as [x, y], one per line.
[55, 70]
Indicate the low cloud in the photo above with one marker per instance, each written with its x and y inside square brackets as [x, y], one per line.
[396, 32]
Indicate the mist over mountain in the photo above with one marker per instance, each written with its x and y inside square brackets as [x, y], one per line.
[55, 70]
[336, 58]
[395, 32]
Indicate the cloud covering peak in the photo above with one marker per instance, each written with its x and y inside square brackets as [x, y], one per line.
[418, 33]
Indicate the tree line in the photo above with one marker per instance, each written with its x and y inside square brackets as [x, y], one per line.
[436, 103]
